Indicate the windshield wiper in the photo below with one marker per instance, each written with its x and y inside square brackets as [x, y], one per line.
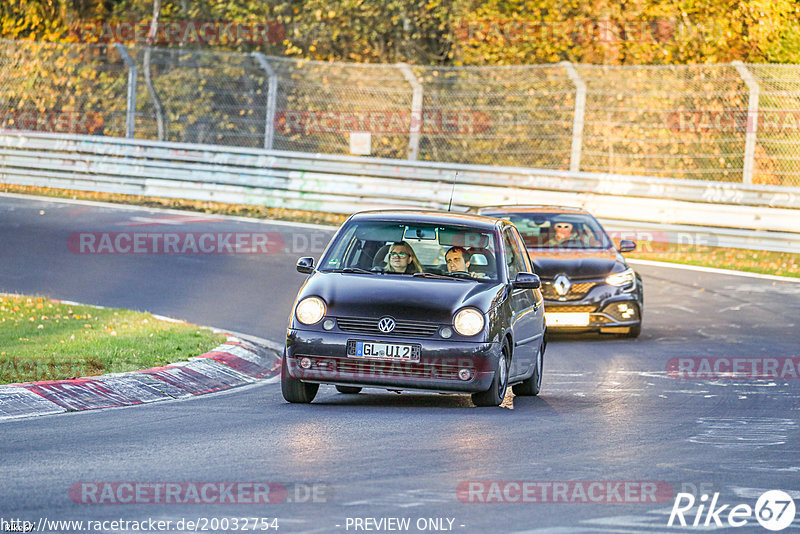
[357, 270]
[440, 276]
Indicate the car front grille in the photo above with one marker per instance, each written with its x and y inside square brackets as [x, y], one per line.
[366, 325]
[576, 292]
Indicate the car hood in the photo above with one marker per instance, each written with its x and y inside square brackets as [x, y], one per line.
[576, 263]
[402, 297]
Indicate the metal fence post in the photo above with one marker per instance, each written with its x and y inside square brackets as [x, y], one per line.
[580, 111]
[130, 115]
[416, 111]
[752, 121]
[272, 98]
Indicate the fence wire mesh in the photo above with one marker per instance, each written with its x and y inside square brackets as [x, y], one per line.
[518, 116]
[777, 158]
[671, 122]
[319, 103]
[666, 121]
[205, 97]
[61, 87]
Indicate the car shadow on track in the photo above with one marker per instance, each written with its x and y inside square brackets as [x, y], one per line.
[380, 399]
[587, 336]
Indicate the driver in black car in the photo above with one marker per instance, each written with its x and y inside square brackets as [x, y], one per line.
[563, 234]
[457, 259]
[566, 235]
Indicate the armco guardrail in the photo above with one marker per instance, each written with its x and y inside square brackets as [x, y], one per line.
[764, 217]
[729, 122]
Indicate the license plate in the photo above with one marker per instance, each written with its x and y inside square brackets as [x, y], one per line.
[566, 319]
[383, 351]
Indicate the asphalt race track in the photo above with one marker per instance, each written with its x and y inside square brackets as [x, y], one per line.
[609, 411]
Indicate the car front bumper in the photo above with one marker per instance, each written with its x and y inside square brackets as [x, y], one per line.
[606, 308]
[438, 369]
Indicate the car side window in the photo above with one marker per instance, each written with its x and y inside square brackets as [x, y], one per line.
[526, 258]
[514, 259]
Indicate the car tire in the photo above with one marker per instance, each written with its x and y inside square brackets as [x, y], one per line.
[497, 392]
[533, 385]
[294, 390]
[634, 331]
[348, 390]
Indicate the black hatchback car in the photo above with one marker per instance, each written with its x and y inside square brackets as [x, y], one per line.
[418, 300]
[586, 282]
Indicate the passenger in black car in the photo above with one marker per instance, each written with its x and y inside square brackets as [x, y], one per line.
[402, 259]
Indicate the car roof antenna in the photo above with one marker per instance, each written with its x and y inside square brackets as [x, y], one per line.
[450, 205]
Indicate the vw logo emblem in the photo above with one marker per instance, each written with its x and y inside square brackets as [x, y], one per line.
[562, 284]
[386, 325]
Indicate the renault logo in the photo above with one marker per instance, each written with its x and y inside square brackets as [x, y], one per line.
[386, 325]
[562, 284]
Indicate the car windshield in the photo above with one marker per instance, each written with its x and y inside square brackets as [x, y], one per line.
[558, 230]
[455, 252]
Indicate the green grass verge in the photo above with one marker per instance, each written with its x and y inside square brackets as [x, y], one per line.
[758, 261]
[42, 339]
[754, 261]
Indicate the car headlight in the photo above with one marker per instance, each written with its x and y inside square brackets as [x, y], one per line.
[310, 310]
[468, 322]
[621, 279]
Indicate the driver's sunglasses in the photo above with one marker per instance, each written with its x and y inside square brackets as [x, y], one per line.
[563, 226]
[398, 254]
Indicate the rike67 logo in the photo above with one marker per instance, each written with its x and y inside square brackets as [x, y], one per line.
[774, 510]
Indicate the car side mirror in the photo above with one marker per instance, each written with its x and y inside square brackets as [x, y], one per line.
[627, 245]
[305, 265]
[527, 281]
